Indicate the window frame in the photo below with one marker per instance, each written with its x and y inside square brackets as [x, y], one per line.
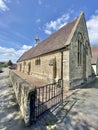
[38, 62]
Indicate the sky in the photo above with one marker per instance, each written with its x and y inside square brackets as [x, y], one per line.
[22, 20]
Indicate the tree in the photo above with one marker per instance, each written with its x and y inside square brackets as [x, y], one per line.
[10, 63]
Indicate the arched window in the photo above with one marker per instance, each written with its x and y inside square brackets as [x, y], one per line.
[79, 55]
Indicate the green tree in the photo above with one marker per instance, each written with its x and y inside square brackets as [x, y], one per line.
[9, 63]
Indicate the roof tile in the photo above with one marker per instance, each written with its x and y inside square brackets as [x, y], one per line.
[54, 42]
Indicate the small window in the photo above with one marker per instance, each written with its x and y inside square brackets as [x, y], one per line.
[37, 62]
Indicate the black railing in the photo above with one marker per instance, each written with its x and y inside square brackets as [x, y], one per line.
[45, 97]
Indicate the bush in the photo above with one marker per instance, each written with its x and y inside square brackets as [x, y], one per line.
[4, 65]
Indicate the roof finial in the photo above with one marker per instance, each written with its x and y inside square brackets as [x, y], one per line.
[36, 40]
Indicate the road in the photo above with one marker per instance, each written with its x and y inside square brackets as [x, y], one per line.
[79, 110]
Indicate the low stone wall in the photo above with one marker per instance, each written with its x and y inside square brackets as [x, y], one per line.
[22, 92]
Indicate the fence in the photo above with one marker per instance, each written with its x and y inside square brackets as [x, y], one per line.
[44, 98]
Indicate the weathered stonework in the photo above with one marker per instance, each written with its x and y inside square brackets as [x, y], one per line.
[22, 90]
[44, 70]
[80, 73]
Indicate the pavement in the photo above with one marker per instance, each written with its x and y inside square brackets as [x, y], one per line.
[79, 110]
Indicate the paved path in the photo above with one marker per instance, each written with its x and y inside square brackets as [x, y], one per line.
[9, 111]
[79, 110]
[84, 114]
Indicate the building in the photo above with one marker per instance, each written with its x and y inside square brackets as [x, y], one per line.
[66, 55]
[95, 58]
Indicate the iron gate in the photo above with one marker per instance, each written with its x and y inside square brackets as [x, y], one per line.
[45, 97]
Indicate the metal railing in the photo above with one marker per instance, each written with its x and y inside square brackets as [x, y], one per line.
[45, 97]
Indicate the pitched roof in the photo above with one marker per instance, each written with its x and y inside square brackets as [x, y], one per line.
[94, 54]
[54, 42]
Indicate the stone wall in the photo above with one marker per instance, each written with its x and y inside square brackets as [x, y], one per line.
[44, 70]
[80, 73]
[47, 70]
[66, 70]
[22, 91]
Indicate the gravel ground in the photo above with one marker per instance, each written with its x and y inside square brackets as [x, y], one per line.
[79, 110]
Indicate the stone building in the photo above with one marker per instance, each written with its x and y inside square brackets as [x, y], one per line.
[95, 58]
[66, 55]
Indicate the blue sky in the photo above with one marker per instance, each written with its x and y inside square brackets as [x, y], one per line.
[21, 20]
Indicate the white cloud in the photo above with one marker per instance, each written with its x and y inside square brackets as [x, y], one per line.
[56, 24]
[3, 6]
[25, 47]
[12, 54]
[48, 31]
[92, 25]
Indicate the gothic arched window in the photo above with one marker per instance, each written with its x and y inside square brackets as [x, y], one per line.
[79, 55]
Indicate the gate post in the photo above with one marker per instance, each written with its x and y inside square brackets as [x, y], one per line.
[60, 82]
[62, 90]
[32, 106]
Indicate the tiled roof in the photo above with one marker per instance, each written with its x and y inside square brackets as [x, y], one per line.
[94, 53]
[54, 42]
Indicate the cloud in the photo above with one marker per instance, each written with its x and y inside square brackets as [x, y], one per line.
[3, 6]
[12, 54]
[92, 25]
[56, 24]
[48, 31]
[25, 47]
